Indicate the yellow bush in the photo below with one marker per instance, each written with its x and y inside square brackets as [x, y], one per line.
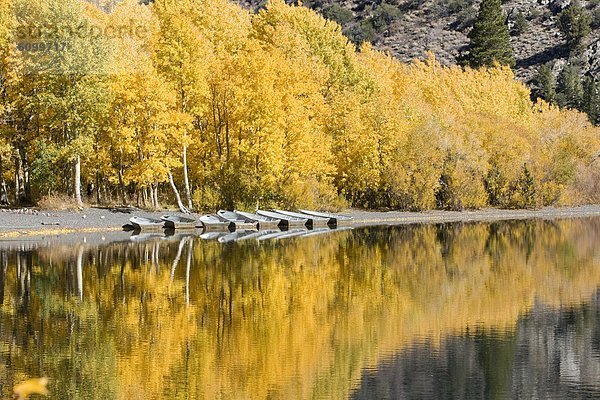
[278, 107]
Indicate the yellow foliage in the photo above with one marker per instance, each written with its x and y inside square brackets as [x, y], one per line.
[293, 319]
[279, 108]
[31, 386]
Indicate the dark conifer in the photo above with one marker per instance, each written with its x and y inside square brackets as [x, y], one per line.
[591, 100]
[570, 88]
[546, 84]
[489, 38]
[575, 23]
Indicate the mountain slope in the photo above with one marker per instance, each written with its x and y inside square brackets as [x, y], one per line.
[410, 28]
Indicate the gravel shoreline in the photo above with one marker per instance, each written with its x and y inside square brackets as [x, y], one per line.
[32, 222]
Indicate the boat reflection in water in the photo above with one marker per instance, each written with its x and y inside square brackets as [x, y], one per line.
[474, 310]
[245, 234]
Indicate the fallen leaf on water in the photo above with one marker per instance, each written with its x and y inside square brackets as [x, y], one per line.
[31, 386]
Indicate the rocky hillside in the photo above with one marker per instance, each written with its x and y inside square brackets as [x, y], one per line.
[409, 28]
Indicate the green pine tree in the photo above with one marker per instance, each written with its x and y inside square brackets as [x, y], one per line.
[546, 84]
[575, 23]
[489, 38]
[591, 100]
[570, 88]
[526, 189]
[495, 185]
[521, 24]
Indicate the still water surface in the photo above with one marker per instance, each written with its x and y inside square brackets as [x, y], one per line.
[500, 310]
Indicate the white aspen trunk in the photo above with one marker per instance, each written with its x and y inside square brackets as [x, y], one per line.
[3, 188]
[177, 257]
[145, 197]
[187, 271]
[155, 256]
[77, 182]
[20, 276]
[177, 195]
[121, 181]
[152, 203]
[3, 267]
[19, 179]
[156, 205]
[79, 272]
[186, 180]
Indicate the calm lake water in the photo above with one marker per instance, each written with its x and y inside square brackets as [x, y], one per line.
[500, 310]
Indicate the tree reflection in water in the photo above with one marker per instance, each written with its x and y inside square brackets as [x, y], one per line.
[460, 310]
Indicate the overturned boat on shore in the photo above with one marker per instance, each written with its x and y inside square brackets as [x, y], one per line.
[241, 222]
[216, 223]
[289, 221]
[263, 222]
[178, 223]
[334, 219]
[311, 221]
[146, 224]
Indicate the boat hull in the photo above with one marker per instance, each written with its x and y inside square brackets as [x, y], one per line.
[311, 221]
[262, 221]
[240, 222]
[334, 219]
[252, 226]
[290, 222]
[179, 223]
[266, 225]
[216, 224]
[146, 224]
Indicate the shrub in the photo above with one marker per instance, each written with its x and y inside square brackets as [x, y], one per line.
[363, 32]
[59, 202]
[595, 24]
[546, 84]
[452, 7]
[338, 14]
[384, 15]
[525, 193]
[575, 23]
[496, 185]
[521, 24]
[445, 196]
[570, 88]
[587, 184]
[460, 185]
[465, 19]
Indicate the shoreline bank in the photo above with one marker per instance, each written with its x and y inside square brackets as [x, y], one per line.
[29, 222]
